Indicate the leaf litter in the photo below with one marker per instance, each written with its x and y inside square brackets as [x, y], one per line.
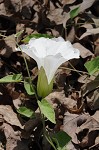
[75, 97]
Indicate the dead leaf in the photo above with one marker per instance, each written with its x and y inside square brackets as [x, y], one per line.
[10, 116]
[84, 52]
[93, 100]
[70, 124]
[70, 37]
[86, 4]
[82, 128]
[13, 138]
[96, 116]
[56, 16]
[89, 130]
[90, 86]
[9, 47]
[90, 32]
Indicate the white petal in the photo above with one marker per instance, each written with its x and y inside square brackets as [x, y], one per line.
[38, 46]
[67, 51]
[31, 52]
[58, 39]
[51, 64]
[50, 53]
[44, 46]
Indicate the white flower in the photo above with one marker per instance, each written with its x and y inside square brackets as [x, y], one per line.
[50, 53]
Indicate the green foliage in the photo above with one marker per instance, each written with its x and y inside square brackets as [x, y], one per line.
[26, 40]
[28, 87]
[74, 13]
[92, 66]
[61, 139]
[26, 112]
[47, 110]
[11, 78]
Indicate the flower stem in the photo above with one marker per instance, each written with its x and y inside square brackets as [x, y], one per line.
[48, 138]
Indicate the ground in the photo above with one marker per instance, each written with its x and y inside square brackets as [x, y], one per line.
[75, 97]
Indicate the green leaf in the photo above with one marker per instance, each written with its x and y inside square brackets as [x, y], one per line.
[74, 13]
[11, 78]
[61, 139]
[28, 87]
[26, 112]
[26, 40]
[92, 66]
[47, 110]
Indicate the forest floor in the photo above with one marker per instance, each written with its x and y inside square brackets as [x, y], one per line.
[75, 96]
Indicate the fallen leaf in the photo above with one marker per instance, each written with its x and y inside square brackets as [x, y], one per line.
[90, 32]
[96, 116]
[14, 139]
[10, 116]
[93, 100]
[82, 128]
[84, 52]
[9, 47]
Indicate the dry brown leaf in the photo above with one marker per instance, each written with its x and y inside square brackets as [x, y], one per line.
[97, 47]
[90, 86]
[13, 139]
[84, 52]
[64, 2]
[70, 124]
[9, 47]
[83, 125]
[93, 100]
[56, 16]
[85, 4]
[71, 35]
[89, 131]
[10, 116]
[96, 116]
[90, 32]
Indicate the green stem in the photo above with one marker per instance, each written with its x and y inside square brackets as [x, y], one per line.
[46, 135]
[74, 70]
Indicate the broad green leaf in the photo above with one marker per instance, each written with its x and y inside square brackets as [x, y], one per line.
[11, 78]
[92, 66]
[26, 112]
[74, 13]
[47, 110]
[28, 87]
[26, 40]
[61, 139]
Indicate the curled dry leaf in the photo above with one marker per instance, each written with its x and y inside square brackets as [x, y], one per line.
[89, 86]
[89, 129]
[61, 103]
[77, 125]
[84, 52]
[10, 116]
[90, 32]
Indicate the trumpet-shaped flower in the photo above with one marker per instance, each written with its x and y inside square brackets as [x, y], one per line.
[49, 55]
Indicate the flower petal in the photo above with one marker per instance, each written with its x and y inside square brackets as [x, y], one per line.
[51, 64]
[31, 52]
[50, 53]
